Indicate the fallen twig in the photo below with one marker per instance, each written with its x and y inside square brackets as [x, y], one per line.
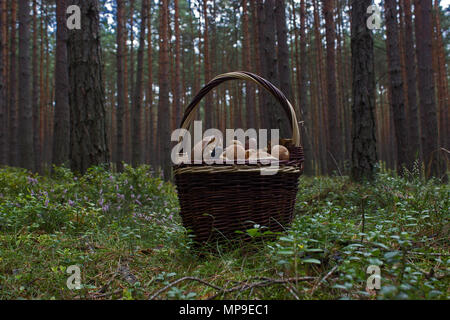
[292, 290]
[263, 283]
[323, 279]
[104, 295]
[157, 293]
[244, 285]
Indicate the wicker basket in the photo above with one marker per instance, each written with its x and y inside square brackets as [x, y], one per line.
[218, 200]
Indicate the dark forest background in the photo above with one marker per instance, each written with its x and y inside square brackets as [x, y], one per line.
[114, 90]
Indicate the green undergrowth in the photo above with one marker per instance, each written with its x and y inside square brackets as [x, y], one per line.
[125, 234]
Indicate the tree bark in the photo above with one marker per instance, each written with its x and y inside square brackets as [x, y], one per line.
[3, 105]
[42, 96]
[284, 72]
[249, 88]
[429, 126]
[442, 81]
[163, 103]
[364, 153]
[88, 138]
[307, 126]
[13, 149]
[396, 84]
[139, 87]
[25, 138]
[150, 147]
[272, 113]
[35, 92]
[207, 64]
[321, 93]
[61, 139]
[412, 116]
[177, 87]
[120, 83]
[334, 156]
[132, 62]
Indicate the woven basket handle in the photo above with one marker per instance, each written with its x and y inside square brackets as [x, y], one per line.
[243, 75]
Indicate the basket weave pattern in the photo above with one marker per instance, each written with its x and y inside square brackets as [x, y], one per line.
[218, 200]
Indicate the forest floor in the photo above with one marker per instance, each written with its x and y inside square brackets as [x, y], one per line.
[125, 234]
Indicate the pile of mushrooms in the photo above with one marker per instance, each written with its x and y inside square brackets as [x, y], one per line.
[210, 148]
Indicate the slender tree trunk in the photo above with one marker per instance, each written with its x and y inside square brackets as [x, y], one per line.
[127, 118]
[256, 63]
[442, 81]
[13, 149]
[25, 138]
[322, 93]
[3, 105]
[262, 96]
[61, 139]
[177, 88]
[343, 83]
[295, 60]
[120, 83]
[249, 88]
[47, 147]
[283, 49]
[132, 62]
[273, 113]
[42, 98]
[364, 153]
[396, 83]
[88, 138]
[413, 118]
[334, 156]
[35, 92]
[303, 93]
[163, 103]
[150, 147]
[139, 87]
[429, 126]
[207, 64]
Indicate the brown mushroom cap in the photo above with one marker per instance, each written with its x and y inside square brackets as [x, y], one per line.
[280, 152]
[235, 151]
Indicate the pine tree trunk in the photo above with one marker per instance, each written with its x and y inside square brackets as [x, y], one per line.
[429, 125]
[177, 86]
[88, 139]
[41, 85]
[413, 117]
[150, 146]
[139, 87]
[321, 93]
[396, 84]
[3, 105]
[35, 92]
[364, 153]
[307, 126]
[163, 103]
[207, 64]
[249, 88]
[127, 107]
[273, 113]
[13, 148]
[131, 80]
[256, 63]
[25, 138]
[61, 139]
[284, 72]
[47, 98]
[442, 81]
[334, 156]
[120, 83]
